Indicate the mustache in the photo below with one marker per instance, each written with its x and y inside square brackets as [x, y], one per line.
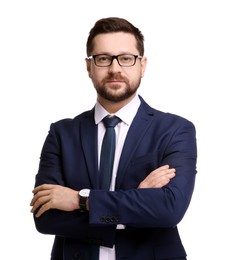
[115, 76]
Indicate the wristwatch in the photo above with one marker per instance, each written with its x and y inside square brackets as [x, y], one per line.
[83, 194]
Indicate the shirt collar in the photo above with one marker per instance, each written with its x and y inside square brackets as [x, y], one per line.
[126, 113]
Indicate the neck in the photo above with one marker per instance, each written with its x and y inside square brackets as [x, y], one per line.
[112, 106]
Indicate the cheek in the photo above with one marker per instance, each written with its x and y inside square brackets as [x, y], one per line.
[136, 74]
[97, 75]
[100, 73]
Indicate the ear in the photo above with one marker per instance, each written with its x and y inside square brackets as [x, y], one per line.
[88, 66]
[143, 65]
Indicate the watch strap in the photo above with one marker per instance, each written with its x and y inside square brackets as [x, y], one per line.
[83, 203]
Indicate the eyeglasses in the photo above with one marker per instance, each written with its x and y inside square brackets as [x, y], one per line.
[124, 60]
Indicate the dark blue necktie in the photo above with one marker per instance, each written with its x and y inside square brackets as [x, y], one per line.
[106, 164]
[108, 151]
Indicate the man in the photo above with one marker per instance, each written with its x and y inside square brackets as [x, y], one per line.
[152, 176]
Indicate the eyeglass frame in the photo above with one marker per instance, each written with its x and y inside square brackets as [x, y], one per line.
[115, 57]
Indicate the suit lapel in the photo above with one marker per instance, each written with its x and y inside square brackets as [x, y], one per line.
[88, 133]
[137, 130]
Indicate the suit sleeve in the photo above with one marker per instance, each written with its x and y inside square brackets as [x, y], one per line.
[60, 223]
[153, 207]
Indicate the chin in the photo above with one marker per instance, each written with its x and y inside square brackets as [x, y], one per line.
[118, 97]
[116, 93]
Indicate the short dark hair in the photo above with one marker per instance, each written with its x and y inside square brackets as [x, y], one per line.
[115, 24]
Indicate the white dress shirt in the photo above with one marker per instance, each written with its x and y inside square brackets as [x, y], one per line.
[126, 114]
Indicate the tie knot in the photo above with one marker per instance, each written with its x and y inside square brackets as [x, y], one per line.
[111, 121]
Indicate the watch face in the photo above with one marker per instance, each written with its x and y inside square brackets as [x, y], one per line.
[84, 192]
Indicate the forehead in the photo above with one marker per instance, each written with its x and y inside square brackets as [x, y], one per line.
[115, 43]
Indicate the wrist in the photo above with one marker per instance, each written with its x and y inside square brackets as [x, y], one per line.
[83, 200]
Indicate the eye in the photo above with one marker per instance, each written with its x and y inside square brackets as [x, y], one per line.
[126, 58]
[103, 58]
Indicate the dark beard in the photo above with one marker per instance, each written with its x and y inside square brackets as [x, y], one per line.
[118, 98]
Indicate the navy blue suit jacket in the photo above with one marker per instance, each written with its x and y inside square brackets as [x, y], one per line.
[69, 158]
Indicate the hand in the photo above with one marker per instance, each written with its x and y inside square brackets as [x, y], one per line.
[158, 178]
[49, 196]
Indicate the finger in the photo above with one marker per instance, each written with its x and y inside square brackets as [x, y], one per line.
[169, 170]
[42, 187]
[162, 168]
[161, 180]
[45, 207]
[171, 175]
[164, 180]
[161, 171]
[162, 174]
[39, 195]
[38, 203]
[160, 183]
[166, 166]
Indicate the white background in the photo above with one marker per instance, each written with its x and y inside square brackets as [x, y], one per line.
[193, 50]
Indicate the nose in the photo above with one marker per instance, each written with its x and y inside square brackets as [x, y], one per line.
[115, 67]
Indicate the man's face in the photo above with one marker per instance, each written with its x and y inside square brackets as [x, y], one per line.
[115, 83]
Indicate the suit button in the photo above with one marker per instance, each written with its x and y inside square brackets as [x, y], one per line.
[77, 255]
[108, 219]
